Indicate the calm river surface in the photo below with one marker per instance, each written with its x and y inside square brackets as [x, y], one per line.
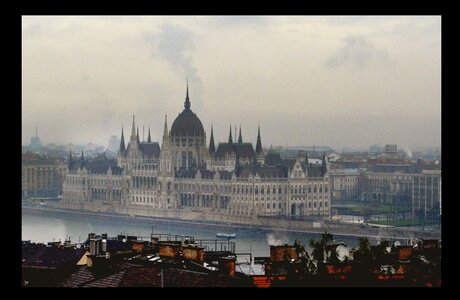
[46, 226]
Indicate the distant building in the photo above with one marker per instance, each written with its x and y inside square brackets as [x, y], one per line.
[105, 183]
[375, 149]
[42, 176]
[426, 193]
[35, 143]
[391, 149]
[233, 178]
[114, 142]
[416, 185]
[344, 185]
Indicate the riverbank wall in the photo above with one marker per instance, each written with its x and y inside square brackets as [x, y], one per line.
[310, 225]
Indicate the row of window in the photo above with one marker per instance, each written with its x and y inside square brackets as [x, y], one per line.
[94, 182]
[348, 179]
[205, 188]
[142, 199]
[280, 190]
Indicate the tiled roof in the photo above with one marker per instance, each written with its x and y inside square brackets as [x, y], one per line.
[403, 168]
[81, 276]
[243, 150]
[264, 172]
[141, 277]
[50, 257]
[116, 245]
[151, 276]
[99, 165]
[314, 171]
[273, 159]
[112, 280]
[150, 149]
[289, 162]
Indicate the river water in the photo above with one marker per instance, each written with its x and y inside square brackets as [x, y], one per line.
[46, 226]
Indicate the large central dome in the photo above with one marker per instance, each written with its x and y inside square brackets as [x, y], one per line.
[187, 123]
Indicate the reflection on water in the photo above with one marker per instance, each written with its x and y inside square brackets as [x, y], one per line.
[45, 226]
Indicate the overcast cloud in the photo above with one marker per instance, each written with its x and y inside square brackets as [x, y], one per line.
[337, 81]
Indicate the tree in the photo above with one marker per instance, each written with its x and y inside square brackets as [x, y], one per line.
[319, 253]
[362, 262]
[309, 267]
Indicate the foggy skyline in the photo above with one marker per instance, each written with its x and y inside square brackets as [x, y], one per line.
[336, 81]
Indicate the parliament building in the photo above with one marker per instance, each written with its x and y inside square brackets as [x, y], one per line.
[187, 173]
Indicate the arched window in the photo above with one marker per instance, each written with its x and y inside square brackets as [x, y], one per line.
[184, 159]
[190, 159]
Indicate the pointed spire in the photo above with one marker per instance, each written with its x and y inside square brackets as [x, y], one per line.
[187, 100]
[165, 130]
[137, 136]
[259, 142]
[149, 139]
[122, 142]
[240, 139]
[82, 160]
[70, 160]
[133, 131]
[212, 148]
[230, 139]
[306, 157]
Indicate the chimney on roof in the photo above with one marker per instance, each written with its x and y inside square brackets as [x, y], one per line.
[67, 242]
[94, 246]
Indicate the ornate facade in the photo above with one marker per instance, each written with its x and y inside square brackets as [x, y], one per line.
[186, 174]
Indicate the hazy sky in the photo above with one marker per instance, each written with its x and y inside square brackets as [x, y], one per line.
[337, 81]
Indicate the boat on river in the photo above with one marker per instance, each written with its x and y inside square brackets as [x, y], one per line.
[226, 235]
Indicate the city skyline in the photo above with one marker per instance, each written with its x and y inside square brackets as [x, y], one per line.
[334, 81]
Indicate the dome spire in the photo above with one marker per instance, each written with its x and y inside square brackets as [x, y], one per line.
[187, 100]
